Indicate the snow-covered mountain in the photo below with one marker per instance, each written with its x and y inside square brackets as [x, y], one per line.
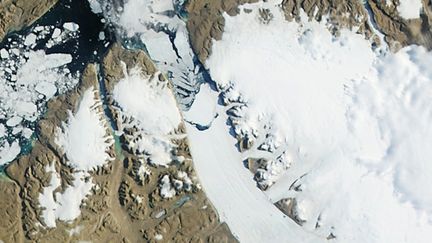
[219, 121]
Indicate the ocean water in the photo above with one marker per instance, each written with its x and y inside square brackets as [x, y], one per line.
[86, 48]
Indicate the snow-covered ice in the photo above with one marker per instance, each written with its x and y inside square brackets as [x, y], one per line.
[8, 151]
[158, 237]
[410, 9]
[249, 214]
[354, 130]
[71, 199]
[147, 103]
[148, 100]
[85, 141]
[336, 132]
[71, 26]
[46, 198]
[28, 79]
[63, 206]
[84, 138]
[166, 190]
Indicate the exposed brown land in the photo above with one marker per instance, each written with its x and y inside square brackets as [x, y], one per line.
[112, 213]
[16, 14]
[206, 20]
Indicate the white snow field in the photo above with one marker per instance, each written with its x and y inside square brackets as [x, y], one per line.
[147, 103]
[63, 206]
[353, 127]
[410, 9]
[85, 142]
[148, 100]
[249, 214]
[83, 138]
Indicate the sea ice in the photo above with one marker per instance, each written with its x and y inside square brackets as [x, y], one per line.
[204, 110]
[102, 35]
[30, 39]
[56, 33]
[158, 45]
[47, 89]
[14, 121]
[29, 78]
[4, 53]
[137, 15]
[2, 130]
[71, 26]
[8, 152]
[95, 6]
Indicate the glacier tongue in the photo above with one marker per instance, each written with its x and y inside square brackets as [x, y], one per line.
[356, 124]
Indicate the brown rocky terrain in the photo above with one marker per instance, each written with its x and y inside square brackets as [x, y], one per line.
[206, 20]
[16, 14]
[122, 207]
[400, 32]
[10, 225]
[126, 206]
[187, 217]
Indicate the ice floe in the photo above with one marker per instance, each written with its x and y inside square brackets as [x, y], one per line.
[71, 26]
[8, 151]
[28, 79]
[95, 6]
